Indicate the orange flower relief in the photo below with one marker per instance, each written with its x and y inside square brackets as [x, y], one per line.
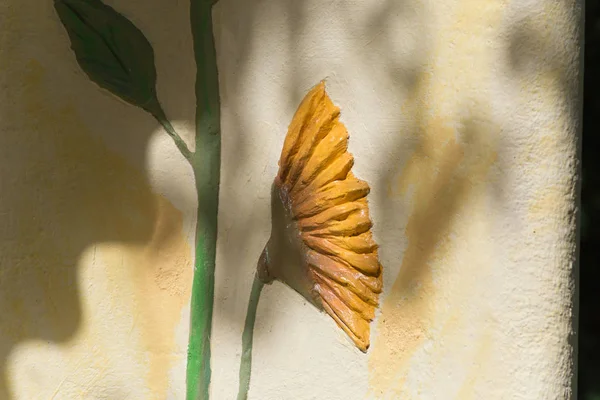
[321, 243]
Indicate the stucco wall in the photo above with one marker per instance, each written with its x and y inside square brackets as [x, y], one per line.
[97, 212]
[463, 118]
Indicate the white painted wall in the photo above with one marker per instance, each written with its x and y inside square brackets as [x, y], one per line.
[463, 118]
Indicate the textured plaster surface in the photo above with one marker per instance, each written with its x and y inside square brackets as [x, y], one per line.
[96, 217]
[462, 117]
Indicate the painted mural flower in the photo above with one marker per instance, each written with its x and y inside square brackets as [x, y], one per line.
[321, 243]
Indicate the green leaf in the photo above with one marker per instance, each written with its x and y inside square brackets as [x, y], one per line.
[111, 50]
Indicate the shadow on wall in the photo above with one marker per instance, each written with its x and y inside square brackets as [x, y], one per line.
[63, 192]
[442, 176]
[62, 189]
[373, 37]
[67, 191]
[423, 152]
[445, 177]
[538, 56]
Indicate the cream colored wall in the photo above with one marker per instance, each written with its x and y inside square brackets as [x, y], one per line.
[97, 211]
[462, 117]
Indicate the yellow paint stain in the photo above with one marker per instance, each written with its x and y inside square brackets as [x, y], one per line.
[160, 274]
[447, 176]
[70, 193]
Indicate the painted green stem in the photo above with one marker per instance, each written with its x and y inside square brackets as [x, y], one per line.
[247, 338]
[206, 162]
[116, 55]
[166, 124]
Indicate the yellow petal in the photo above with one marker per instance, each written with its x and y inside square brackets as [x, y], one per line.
[333, 194]
[326, 152]
[354, 326]
[329, 216]
[321, 122]
[297, 130]
[362, 243]
[366, 263]
[336, 171]
[342, 274]
[365, 310]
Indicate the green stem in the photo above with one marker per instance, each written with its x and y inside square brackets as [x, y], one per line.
[206, 162]
[166, 124]
[247, 337]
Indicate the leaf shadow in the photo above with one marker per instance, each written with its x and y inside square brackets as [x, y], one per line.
[73, 178]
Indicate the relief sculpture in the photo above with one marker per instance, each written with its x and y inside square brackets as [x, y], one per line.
[321, 242]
